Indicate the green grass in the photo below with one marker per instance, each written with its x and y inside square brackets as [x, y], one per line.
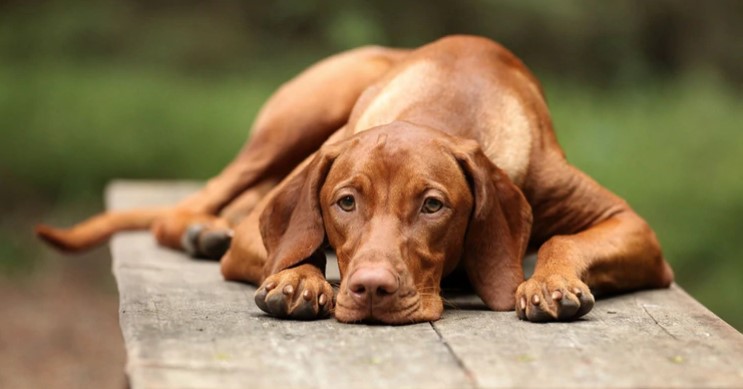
[673, 150]
[71, 126]
[68, 128]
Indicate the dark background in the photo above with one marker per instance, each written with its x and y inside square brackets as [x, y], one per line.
[645, 97]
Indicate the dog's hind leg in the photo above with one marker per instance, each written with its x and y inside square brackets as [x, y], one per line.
[246, 202]
[294, 123]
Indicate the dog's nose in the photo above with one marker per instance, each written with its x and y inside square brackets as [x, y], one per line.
[372, 284]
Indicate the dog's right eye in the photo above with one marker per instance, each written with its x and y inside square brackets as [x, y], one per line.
[347, 203]
[432, 205]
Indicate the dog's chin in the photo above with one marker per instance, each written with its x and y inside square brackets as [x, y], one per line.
[417, 311]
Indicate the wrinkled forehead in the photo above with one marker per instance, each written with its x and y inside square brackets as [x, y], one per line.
[399, 155]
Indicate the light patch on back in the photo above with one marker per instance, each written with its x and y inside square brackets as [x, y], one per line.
[509, 142]
[409, 87]
[502, 121]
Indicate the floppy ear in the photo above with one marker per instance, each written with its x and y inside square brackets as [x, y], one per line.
[291, 225]
[498, 231]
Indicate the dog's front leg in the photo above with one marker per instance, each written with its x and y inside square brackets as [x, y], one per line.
[594, 243]
[618, 254]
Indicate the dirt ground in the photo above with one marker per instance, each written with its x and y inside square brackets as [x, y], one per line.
[59, 325]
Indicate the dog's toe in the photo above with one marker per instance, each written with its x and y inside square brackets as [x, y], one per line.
[538, 315]
[567, 306]
[587, 302]
[304, 311]
[277, 303]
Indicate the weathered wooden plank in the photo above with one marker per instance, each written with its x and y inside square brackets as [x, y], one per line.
[185, 327]
[660, 338]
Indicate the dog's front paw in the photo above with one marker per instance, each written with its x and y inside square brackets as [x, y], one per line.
[553, 298]
[299, 293]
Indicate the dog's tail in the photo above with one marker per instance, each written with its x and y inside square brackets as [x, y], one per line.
[97, 229]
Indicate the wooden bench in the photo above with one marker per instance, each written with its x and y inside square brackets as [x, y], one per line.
[185, 327]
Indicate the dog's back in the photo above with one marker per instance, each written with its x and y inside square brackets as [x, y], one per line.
[468, 86]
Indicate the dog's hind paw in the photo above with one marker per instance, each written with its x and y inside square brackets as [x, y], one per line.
[201, 242]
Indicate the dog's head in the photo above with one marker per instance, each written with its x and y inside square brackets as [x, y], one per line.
[402, 206]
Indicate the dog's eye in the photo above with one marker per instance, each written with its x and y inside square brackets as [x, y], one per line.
[431, 205]
[347, 203]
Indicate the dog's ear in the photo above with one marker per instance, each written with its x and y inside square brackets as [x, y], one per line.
[498, 231]
[291, 224]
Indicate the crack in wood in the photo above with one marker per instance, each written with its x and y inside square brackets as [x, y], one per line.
[460, 363]
[644, 308]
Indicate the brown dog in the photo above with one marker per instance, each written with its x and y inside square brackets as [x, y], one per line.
[410, 164]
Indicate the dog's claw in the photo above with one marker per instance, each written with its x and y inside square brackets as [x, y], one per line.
[260, 298]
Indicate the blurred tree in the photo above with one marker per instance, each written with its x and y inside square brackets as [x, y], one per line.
[606, 42]
[645, 96]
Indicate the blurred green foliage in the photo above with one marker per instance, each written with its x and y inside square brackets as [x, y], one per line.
[645, 97]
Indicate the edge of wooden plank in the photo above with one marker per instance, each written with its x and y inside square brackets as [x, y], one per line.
[656, 338]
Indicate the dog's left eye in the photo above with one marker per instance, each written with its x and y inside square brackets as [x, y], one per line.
[431, 205]
[347, 203]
